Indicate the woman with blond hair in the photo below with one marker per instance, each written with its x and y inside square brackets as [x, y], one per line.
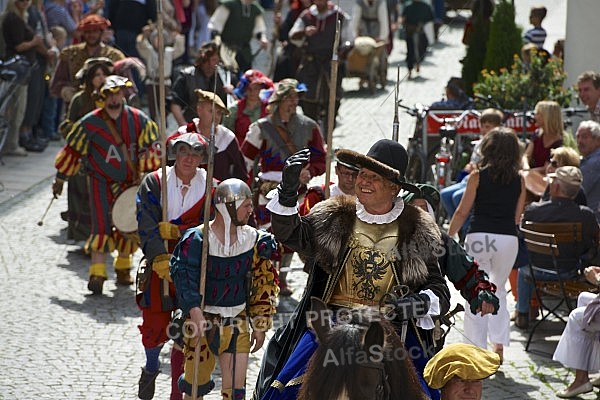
[549, 135]
[562, 157]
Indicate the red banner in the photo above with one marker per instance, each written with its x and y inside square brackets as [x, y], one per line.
[469, 125]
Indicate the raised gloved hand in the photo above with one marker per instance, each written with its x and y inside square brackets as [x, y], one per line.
[411, 306]
[160, 265]
[169, 231]
[290, 180]
[57, 187]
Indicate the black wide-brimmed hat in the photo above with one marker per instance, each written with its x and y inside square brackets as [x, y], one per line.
[386, 157]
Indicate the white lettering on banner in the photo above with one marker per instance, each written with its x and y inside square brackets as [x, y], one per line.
[470, 124]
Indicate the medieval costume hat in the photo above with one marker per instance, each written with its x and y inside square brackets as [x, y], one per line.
[386, 157]
[206, 96]
[194, 141]
[427, 192]
[345, 164]
[284, 88]
[114, 83]
[93, 22]
[252, 76]
[90, 62]
[466, 361]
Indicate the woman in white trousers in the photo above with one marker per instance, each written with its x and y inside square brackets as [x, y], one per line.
[579, 345]
[495, 255]
[496, 193]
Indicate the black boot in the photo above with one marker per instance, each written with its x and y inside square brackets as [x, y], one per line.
[30, 143]
[146, 384]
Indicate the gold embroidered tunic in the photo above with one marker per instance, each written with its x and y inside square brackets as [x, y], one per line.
[367, 271]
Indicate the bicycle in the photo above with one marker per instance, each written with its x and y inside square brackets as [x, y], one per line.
[416, 170]
[448, 159]
[451, 155]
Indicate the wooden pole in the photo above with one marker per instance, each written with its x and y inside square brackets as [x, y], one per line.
[205, 233]
[162, 126]
[332, 98]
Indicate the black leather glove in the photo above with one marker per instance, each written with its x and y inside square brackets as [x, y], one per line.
[290, 179]
[411, 306]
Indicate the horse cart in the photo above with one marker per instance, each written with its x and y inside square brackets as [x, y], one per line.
[368, 61]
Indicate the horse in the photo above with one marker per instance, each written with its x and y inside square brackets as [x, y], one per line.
[360, 358]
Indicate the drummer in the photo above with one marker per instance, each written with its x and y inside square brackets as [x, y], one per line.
[115, 144]
[186, 187]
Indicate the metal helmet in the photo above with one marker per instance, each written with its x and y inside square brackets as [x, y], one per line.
[231, 193]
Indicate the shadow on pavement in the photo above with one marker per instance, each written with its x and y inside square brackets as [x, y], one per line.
[77, 262]
[116, 308]
[500, 380]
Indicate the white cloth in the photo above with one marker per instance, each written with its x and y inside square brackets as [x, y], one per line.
[177, 203]
[150, 55]
[426, 322]
[386, 218]
[579, 348]
[496, 255]
[334, 190]
[274, 176]
[223, 135]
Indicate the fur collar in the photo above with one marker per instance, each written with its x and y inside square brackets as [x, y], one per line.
[419, 239]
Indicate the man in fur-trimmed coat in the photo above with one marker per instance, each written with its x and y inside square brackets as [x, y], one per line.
[362, 251]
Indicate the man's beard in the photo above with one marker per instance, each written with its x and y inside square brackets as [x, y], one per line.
[114, 106]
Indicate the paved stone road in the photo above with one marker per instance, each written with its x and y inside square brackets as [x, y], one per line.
[61, 343]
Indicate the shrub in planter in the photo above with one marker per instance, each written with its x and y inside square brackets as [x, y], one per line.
[541, 79]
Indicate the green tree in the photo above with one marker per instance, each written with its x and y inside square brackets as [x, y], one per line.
[476, 45]
[477, 30]
[505, 38]
[541, 79]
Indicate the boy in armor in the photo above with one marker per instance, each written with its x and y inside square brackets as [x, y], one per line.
[239, 292]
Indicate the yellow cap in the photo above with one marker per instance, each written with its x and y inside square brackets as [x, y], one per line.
[463, 360]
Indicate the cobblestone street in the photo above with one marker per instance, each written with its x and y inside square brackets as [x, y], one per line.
[60, 342]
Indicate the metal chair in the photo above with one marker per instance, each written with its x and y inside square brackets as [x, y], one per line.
[550, 246]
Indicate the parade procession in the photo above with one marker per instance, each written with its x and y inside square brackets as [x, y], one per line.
[303, 199]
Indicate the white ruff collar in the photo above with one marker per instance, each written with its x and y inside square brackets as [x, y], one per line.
[386, 218]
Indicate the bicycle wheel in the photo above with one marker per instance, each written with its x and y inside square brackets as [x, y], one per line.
[417, 164]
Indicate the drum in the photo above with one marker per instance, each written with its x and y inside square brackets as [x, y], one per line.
[124, 213]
